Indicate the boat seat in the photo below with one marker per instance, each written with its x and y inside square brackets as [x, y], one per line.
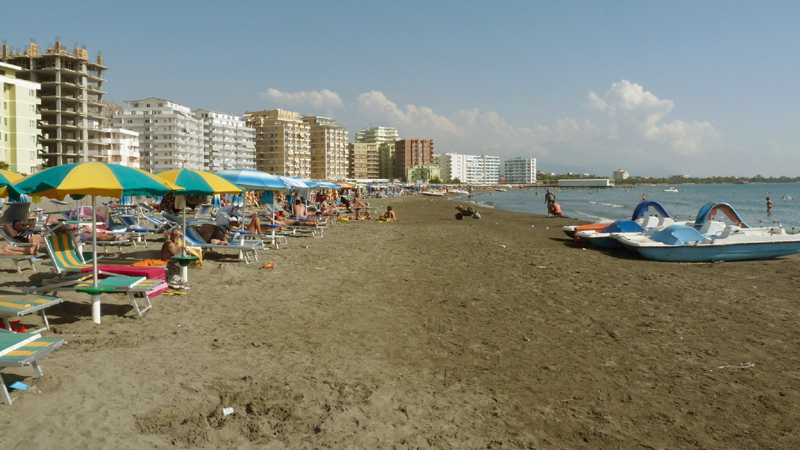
[712, 227]
[729, 230]
[650, 222]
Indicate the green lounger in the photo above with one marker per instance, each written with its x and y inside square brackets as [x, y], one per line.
[26, 355]
[18, 304]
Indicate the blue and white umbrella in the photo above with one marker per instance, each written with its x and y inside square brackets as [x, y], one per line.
[253, 180]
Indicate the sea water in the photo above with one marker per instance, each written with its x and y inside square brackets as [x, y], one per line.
[600, 205]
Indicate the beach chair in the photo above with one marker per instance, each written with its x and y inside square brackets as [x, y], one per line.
[135, 287]
[65, 257]
[17, 304]
[6, 239]
[203, 212]
[193, 239]
[22, 349]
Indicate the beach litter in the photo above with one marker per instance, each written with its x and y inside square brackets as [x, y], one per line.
[502, 246]
[227, 411]
[20, 386]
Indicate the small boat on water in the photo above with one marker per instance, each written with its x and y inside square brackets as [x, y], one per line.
[500, 190]
[458, 191]
[433, 193]
[672, 189]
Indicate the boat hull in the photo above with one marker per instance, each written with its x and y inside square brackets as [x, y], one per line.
[708, 253]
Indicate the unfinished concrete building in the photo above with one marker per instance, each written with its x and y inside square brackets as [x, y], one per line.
[71, 94]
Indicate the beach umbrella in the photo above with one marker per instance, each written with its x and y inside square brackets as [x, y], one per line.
[93, 178]
[328, 185]
[307, 182]
[253, 180]
[197, 182]
[7, 181]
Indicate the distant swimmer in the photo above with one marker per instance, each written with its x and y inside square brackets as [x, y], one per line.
[769, 205]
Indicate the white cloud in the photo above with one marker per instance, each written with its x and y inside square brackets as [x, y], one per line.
[626, 127]
[634, 115]
[316, 99]
[375, 104]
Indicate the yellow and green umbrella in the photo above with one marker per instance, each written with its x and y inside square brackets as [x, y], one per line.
[7, 181]
[93, 178]
[198, 182]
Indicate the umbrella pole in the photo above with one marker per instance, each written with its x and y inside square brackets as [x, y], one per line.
[95, 297]
[183, 244]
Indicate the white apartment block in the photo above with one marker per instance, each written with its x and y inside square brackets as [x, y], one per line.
[329, 154]
[228, 143]
[520, 170]
[283, 142]
[470, 169]
[19, 121]
[116, 146]
[620, 174]
[169, 135]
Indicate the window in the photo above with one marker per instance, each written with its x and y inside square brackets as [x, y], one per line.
[33, 139]
[31, 93]
[32, 124]
[32, 108]
[33, 155]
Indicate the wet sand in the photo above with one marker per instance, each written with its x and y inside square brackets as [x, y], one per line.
[427, 333]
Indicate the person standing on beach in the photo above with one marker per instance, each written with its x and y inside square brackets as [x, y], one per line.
[549, 200]
[769, 205]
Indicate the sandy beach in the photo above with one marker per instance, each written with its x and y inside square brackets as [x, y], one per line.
[427, 333]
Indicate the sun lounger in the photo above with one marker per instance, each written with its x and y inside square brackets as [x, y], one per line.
[18, 304]
[135, 287]
[28, 354]
[65, 258]
[194, 240]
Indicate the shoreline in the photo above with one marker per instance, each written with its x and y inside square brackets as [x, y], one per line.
[427, 333]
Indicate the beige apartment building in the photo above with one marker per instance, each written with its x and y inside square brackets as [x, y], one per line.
[19, 121]
[364, 164]
[283, 142]
[329, 152]
[71, 94]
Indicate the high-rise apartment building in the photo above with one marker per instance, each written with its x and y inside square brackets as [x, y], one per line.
[170, 137]
[118, 146]
[411, 152]
[364, 160]
[520, 170]
[71, 94]
[283, 142]
[228, 143]
[470, 169]
[329, 152]
[19, 121]
[385, 137]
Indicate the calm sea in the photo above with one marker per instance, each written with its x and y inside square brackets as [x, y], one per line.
[749, 200]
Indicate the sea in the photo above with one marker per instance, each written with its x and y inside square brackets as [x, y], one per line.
[608, 204]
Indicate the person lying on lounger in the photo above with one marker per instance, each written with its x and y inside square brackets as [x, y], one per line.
[213, 234]
[11, 250]
[102, 235]
[23, 232]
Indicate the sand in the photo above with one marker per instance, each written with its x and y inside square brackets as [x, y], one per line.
[428, 333]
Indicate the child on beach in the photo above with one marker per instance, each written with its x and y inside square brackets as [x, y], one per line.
[390, 216]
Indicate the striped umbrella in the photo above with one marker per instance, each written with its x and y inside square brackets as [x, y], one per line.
[93, 178]
[7, 178]
[254, 180]
[198, 182]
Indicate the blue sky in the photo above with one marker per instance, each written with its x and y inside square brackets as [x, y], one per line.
[657, 88]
